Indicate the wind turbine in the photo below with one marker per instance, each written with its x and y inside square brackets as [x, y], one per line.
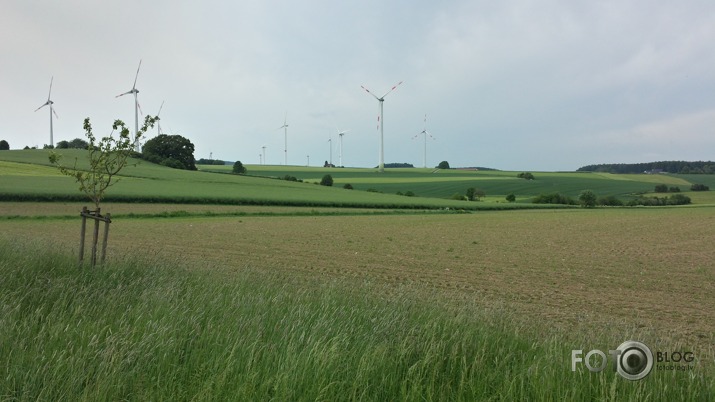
[285, 134]
[52, 110]
[158, 120]
[330, 142]
[381, 124]
[264, 154]
[341, 134]
[424, 131]
[134, 91]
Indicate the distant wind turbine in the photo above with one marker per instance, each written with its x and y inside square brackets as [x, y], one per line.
[341, 134]
[285, 139]
[330, 143]
[425, 133]
[158, 120]
[381, 124]
[134, 91]
[52, 111]
[264, 154]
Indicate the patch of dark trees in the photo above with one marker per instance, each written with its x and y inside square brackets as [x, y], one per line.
[203, 161]
[681, 167]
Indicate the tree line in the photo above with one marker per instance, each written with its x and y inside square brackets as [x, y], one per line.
[682, 167]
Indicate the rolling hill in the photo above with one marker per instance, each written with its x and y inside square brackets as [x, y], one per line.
[28, 175]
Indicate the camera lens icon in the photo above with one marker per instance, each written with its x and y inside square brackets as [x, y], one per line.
[635, 361]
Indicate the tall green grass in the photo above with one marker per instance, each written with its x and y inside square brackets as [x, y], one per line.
[152, 330]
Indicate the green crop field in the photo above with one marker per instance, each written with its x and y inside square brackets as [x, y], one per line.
[227, 287]
[27, 175]
[440, 183]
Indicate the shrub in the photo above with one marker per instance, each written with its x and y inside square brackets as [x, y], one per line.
[470, 193]
[510, 197]
[699, 187]
[526, 176]
[409, 194]
[348, 186]
[677, 199]
[327, 180]
[587, 198]
[238, 168]
[610, 201]
[553, 198]
[4, 146]
[443, 165]
[674, 189]
[457, 196]
[661, 188]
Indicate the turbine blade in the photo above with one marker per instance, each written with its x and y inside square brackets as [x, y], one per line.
[43, 105]
[141, 112]
[50, 93]
[162, 105]
[126, 93]
[368, 91]
[53, 111]
[137, 76]
[392, 89]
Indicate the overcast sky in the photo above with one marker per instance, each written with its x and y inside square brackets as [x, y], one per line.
[513, 85]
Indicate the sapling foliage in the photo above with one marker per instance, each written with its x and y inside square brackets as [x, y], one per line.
[107, 157]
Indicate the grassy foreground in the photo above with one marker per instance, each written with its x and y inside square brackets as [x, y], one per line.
[154, 330]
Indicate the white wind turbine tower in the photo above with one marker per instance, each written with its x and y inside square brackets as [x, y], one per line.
[158, 120]
[425, 133]
[52, 110]
[340, 156]
[381, 124]
[264, 154]
[134, 91]
[285, 138]
[330, 143]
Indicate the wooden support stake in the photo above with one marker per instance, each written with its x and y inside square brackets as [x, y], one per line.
[95, 238]
[81, 235]
[107, 221]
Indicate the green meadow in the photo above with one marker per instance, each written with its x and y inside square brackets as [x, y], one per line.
[27, 175]
[250, 287]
